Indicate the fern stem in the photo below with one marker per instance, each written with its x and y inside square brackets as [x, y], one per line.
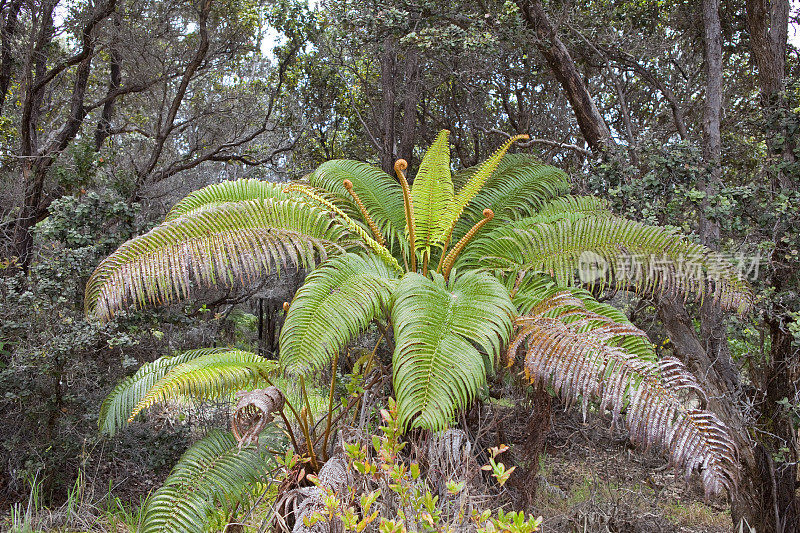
[399, 166]
[488, 215]
[330, 406]
[444, 250]
[305, 425]
[425, 258]
[368, 219]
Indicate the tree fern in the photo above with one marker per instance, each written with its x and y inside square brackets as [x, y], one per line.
[211, 471]
[118, 406]
[211, 375]
[219, 245]
[650, 259]
[334, 305]
[228, 191]
[437, 367]
[575, 351]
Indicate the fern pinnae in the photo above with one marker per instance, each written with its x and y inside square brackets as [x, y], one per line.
[213, 470]
[215, 374]
[477, 181]
[123, 398]
[373, 245]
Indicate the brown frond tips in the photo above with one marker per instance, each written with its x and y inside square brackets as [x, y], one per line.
[488, 214]
[348, 185]
[254, 410]
[285, 307]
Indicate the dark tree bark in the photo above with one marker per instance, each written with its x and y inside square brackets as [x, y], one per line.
[6, 58]
[115, 80]
[768, 22]
[410, 97]
[388, 73]
[590, 121]
[712, 326]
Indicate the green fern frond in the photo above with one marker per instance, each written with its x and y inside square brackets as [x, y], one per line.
[334, 305]
[432, 194]
[227, 191]
[209, 376]
[381, 194]
[438, 330]
[575, 351]
[476, 182]
[521, 186]
[583, 205]
[212, 471]
[118, 405]
[219, 245]
[609, 251]
[371, 243]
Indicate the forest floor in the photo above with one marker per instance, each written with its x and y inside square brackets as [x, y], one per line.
[592, 479]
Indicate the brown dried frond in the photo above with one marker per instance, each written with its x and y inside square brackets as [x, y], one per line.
[254, 410]
[578, 353]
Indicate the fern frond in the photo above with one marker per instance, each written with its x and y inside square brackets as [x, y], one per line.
[532, 290]
[520, 186]
[438, 330]
[476, 182]
[118, 405]
[432, 194]
[334, 305]
[609, 251]
[381, 195]
[576, 352]
[227, 191]
[209, 376]
[213, 470]
[578, 205]
[371, 243]
[219, 245]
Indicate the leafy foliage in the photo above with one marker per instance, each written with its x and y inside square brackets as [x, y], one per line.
[336, 303]
[197, 374]
[437, 367]
[432, 194]
[212, 246]
[119, 404]
[212, 471]
[210, 375]
[380, 193]
[649, 259]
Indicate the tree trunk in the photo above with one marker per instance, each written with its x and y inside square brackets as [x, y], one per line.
[768, 28]
[388, 73]
[590, 121]
[713, 330]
